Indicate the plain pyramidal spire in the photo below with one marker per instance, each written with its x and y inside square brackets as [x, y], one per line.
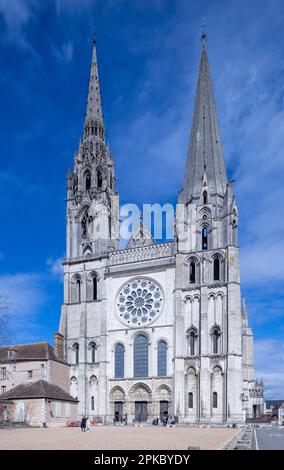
[94, 113]
[205, 149]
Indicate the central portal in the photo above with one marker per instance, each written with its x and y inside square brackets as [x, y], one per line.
[141, 412]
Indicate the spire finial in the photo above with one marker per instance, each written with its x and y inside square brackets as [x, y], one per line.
[94, 38]
[204, 26]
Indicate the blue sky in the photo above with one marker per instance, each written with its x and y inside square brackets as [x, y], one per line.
[148, 53]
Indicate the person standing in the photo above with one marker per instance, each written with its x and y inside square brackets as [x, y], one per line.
[83, 424]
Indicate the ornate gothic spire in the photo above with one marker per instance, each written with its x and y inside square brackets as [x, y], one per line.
[94, 113]
[205, 150]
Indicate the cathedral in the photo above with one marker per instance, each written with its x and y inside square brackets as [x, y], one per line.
[157, 329]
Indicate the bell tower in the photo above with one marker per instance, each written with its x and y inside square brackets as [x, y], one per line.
[208, 322]
[92, 201]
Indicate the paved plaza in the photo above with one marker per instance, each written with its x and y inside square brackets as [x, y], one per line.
[116, 438]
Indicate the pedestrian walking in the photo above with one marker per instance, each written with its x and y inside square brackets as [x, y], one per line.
[83, 424]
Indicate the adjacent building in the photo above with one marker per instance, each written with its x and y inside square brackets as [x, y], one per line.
[26, 363]
[38, 403]
[34, 381]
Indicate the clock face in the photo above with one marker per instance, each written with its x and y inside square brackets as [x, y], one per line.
[139, 302]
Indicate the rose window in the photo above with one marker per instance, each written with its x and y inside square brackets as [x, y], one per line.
[139, 302]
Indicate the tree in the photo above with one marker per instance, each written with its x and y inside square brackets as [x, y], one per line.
[5, 333]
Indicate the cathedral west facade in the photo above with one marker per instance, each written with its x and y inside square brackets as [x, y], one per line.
[157, 328]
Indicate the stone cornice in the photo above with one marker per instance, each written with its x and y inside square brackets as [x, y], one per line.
[144, 265]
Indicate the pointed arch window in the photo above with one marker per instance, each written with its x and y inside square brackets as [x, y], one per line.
[205, 197]
[215, 400]
[99, 179]
[78, 290]
[119, 361]
[93, 352]
[192, 342]
[192, 272]
[92, 403]
[190, 400]
[141, 356]
[216, 340]
[95, 288]
[216, 269]
[162, 359]
[204, 238]
[76, 353]
[92, 287]
[88, 181]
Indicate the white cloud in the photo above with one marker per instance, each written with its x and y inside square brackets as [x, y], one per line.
[24, 292]
[16, 14]
[55, 267]
[262, 262]
[64, 53]
[25, 296]
[269, 361]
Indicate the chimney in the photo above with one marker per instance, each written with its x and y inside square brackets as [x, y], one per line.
[59, 345]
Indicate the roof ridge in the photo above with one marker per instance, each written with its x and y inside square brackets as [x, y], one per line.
[38, 389]
[24, 344]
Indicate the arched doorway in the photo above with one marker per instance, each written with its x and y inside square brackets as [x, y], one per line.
[163, 398]
[140, 396]
[117, 397]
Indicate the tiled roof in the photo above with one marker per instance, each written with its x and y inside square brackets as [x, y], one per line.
[26, 352]
[39, 389]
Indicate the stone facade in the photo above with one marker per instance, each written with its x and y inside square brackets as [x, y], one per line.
[180, 299]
